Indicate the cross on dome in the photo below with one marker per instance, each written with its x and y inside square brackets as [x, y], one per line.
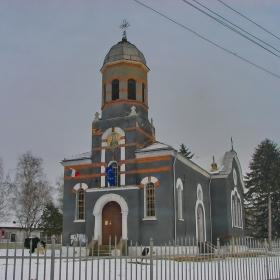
[124, 26]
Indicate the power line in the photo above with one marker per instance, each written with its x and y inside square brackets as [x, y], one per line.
[231, 28]
[250, 20]
[207, 39]
[235, 25]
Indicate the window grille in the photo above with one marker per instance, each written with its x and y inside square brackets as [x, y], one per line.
[116, 173]
[81, 204]
[150, 200]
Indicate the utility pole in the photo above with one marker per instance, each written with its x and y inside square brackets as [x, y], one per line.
[269, 222]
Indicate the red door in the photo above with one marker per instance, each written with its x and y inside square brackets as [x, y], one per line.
[111, 223]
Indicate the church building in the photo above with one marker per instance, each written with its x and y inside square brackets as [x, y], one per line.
[132, 186]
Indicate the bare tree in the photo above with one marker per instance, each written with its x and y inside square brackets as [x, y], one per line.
[30, 191]
[4, 194]
[60, 190]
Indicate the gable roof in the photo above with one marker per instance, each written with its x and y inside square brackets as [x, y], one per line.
[86, 155]
[154, 146]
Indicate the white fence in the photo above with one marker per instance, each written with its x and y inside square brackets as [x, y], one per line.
[236, 260]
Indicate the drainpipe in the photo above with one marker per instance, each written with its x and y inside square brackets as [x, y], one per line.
[210, 210]
[184, 192]
[174, 196]
[214, 170]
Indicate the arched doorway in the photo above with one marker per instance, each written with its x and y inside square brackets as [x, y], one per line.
[98, 211]
[111, 222]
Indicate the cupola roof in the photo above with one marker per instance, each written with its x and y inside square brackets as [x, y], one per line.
[124, 50]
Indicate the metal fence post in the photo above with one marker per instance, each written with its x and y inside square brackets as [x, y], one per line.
[266, 259]
[219, 252]
[151, 259]
[52, 258]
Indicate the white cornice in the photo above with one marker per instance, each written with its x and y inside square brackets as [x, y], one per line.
[153, 153]
[113, 189]
[112, 63]
[219, 176]
[76, 162]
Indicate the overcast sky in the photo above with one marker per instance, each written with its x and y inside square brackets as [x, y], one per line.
[51, 53]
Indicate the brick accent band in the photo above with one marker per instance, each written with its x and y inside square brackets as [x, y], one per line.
[148, 170]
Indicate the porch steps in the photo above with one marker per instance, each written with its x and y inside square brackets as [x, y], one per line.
[208, 247]
[106, 250]
[103, 250]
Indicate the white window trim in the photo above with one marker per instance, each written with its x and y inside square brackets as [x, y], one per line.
[77, 206]
[200, 202]
[121, 188]
[108, 185]
[149, 219]
[143, 184]
[145, 204]
[122, 148]
[179, 186]
[76, 190]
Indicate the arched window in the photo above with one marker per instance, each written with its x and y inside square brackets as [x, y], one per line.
[116, 174]
[200, 224]
[180, 203]
[143, 92]
[80, 204]
[150, 203]
[115, 89]
[233, 211]
[180, 212]
[236, 209]
[79, 190]
[238, 213]
[200, 215]
[131, 89]
[104, 94]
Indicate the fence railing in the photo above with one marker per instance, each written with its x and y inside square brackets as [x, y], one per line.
[178, 260]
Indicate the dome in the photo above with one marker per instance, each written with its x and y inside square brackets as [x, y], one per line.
[124, 50]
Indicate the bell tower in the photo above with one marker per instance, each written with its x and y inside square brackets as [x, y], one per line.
[124, 81]
[124, 126]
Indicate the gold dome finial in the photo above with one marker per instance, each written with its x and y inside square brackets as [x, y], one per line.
[214, 165]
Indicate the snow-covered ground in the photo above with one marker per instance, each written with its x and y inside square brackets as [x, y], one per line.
[20, 265]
